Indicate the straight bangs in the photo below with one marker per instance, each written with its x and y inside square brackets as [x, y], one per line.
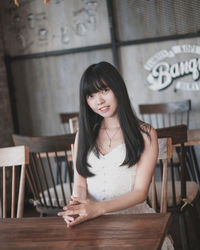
[93, 86]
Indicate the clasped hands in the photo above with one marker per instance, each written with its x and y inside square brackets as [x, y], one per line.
[78, 211]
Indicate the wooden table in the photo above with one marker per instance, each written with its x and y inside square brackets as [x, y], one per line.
[142, 231]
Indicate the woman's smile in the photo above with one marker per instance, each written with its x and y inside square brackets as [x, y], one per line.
[104, 109]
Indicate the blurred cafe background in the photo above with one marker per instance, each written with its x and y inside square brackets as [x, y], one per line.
[46, 45]
[44, 49]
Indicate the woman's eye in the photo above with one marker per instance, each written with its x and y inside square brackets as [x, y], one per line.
[90, 96]
[105, 90]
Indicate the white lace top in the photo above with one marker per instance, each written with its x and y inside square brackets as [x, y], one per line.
[112, 180]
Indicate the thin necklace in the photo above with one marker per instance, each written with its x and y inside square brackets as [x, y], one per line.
[111, 137]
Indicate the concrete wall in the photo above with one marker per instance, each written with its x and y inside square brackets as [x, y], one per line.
[136, 75]
[6, 125]
[35, 27]
[44, 87]
[49, 88]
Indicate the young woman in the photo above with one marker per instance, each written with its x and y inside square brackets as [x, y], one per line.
[114, 152]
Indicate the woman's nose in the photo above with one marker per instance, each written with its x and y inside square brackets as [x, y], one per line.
[100, 99]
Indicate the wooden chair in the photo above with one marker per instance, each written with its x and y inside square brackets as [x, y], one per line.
[192, 162]
[50, 178]
[165, 153]
[162, 115]
[182, 194]
[13, 160]
[69, 122]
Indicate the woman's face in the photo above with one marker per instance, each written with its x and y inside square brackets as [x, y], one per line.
[103, 103]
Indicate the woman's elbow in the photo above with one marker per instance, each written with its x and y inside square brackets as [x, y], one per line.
[143, 196]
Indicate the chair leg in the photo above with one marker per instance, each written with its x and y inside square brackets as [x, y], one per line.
[196, 166]
[183, 232]
[192, 228]
[189, 164]
[1, 213]
[197, 206]
[193, 167]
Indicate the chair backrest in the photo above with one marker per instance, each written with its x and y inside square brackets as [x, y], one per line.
[178, 134]
[50, 174]
[162, 115]
[69, 122]
[164, 154]
[11, 159]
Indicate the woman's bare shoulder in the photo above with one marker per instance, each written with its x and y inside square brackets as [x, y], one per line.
[148, 132]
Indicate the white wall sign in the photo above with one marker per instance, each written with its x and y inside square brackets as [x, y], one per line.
[162, 73]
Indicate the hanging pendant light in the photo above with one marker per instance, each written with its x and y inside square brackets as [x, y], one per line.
[17, 2]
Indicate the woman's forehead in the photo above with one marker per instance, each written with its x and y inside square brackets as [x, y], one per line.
[95, 87]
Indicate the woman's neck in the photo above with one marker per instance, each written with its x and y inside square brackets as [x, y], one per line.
[110, 123]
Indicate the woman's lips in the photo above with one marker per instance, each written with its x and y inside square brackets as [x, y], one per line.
[104, 109]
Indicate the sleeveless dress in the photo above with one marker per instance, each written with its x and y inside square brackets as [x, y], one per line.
[112, 180]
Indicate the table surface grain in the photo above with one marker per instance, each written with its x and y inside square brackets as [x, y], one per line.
[138, 231]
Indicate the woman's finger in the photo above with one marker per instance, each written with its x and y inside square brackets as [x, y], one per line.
[66, 213]
[73, 206]
[68, 219]
[71, 203]
[73, 210]
[65, 207]
[78, 220]
[60, 213]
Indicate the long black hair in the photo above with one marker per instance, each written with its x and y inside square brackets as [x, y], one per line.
[98, 77]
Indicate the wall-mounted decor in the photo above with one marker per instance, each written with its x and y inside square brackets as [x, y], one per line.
[34, 27]
[162, 73]
[16, 2]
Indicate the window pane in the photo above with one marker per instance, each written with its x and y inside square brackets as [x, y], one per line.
[140, 19]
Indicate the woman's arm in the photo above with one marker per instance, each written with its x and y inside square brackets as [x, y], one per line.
[145, 168]
[79, 187]
[80, 184]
